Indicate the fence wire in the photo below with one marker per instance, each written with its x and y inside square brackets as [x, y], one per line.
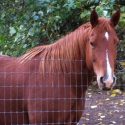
[46, 93]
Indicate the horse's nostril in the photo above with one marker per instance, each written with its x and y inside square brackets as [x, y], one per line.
[101, 79]
[114, 79]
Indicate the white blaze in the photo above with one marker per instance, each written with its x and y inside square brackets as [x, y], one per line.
[109, 70]
[106, 35]
[108, 76]
[109, 73]
[109, 79]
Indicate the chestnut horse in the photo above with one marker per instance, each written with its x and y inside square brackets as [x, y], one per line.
[47, 85]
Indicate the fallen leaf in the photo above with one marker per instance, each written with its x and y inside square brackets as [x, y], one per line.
[113, 95]
[102, 116]
[89, 96]
[87, 114]
[99, 119]
[99, 114]
[116, 91]
[121, 116]
[122, 63]
[107, 99]
[94, 106]
[87, 119]
[113, 122]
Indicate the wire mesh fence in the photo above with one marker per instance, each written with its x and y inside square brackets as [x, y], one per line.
[39, 91]
[50, 92]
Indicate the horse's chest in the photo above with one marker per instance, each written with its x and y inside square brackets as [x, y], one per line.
[53, 104]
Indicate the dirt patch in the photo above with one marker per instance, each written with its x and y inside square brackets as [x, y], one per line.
[104, 108]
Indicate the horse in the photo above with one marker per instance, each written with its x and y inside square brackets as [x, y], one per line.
[47, 84]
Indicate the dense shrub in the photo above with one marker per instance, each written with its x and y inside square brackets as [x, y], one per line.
[25, 24]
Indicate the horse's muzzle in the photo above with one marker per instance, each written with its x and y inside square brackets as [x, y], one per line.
[108, 84]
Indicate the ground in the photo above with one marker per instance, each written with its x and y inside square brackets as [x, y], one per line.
[104, 108]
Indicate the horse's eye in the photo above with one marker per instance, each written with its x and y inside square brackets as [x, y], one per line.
[92, 44]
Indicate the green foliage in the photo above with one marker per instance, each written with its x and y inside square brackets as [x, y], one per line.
[121, 34]
[27, 23]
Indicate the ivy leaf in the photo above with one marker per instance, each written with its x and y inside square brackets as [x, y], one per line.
[12, 31]
[122, 63]
[84, 14]
[116, 91]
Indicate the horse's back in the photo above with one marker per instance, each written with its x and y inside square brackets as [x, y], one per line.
[12, 105]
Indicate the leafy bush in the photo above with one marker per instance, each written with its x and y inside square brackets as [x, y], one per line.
[25, 24]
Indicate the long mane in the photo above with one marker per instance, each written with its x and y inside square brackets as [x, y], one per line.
[68, 47]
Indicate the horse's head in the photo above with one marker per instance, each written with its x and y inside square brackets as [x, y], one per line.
[102, 45]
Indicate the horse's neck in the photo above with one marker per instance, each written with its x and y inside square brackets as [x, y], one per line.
[68, 53]
[72, 46]
[71, 49]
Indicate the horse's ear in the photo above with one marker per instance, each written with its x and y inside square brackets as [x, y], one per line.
[115, 18]
[94, 18]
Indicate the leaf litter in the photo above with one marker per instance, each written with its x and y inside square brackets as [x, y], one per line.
[104, 108]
